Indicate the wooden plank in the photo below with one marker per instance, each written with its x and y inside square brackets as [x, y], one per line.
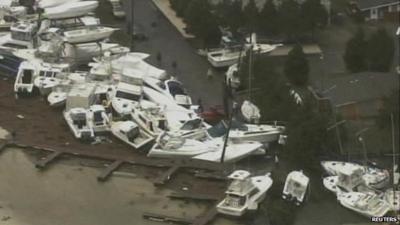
[109, 170]
[166, 219]
[213, 176]
[42, 163]
[166, 176]
[206, 218]
[185, 195]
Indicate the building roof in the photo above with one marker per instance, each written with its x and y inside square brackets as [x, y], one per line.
[361, 87]
[367, 4]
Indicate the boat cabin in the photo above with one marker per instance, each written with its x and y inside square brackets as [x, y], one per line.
[130, 130]
[81, 96]
[296, 187]
[240, 190]
[128, 91]
[349, 177]
[132, 76]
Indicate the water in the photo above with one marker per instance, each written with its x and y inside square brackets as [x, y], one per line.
[70, 195]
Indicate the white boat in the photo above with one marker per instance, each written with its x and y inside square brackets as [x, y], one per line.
[25, 77]
[374, 177]
[70, 9]
[50, 76]
[244, 193]
[250, 112]
[330, 183]
[58, 95]
[52, 3]
[125, 98]
[130, 133]
[233, 152]
[228, 56]
[367, 204]
[98, 119]
[77, 121]
[169, 146]
[134, 62]
[232, 76]
[247, 132]
[88, 34]
[347, 178]
[172, 89]
[393, 199]
[296, 187]
[150, 118]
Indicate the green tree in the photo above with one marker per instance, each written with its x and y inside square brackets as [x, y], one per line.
[380, 51]
[201, 22]
[355, 55]
[251, 13]
[269, 18]
[297, 67]
[230, 14]
[290, 18]
[314, 15]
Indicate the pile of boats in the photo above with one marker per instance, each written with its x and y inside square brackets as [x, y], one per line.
[361, 188]
[120, 93]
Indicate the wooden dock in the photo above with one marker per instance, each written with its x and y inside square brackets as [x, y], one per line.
[43, 162]
[207, 217]
[166, 219]
[109, 170]
[167, 175]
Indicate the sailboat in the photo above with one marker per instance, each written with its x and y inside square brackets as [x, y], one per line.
[244, 193]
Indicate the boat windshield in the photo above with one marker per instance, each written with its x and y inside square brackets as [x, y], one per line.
[233, 200]
[132, 134]
[126, 95]
[192, 124]
[175, 88]
[221, 128]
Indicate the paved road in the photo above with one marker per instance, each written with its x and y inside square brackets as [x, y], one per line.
[165, 39]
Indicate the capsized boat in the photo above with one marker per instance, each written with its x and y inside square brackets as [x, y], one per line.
[244, 193]
[88, 34]
[374, 177]
[77, 121]
[130, 133]
[367, 204]
[296, 187]
[70, 9]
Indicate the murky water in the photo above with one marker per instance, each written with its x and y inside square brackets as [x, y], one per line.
[71, 195]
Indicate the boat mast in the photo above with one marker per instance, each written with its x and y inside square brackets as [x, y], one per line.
[394, 155]
[250, 67]
[132, 24]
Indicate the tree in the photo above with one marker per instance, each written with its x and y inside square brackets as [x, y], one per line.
[230, 14]
[250, 13]
[269, 18]
[201, 22]
[355, 54]
[290, 17]
[297, 67]
[314, 15]
[179, 6]
[380, 51]
[307, 135]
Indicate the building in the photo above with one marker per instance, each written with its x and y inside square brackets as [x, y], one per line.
[360, 95]
[377, 9]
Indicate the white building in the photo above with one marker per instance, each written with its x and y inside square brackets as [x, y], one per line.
[378, 9]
